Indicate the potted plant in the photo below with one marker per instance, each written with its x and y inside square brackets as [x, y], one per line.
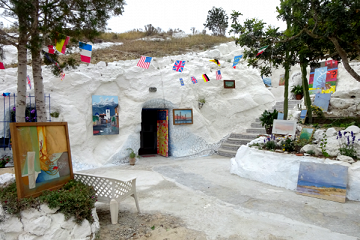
[298, 91]
[132, 156]
[201, 102]
[267, 119]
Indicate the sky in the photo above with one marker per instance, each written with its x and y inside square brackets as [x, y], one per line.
[186, 14]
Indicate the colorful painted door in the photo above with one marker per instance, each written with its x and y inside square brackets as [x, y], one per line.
[162, 133]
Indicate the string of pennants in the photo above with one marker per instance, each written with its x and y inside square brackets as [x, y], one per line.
[145, 61]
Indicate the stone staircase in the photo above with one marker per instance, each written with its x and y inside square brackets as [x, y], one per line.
[233, 143]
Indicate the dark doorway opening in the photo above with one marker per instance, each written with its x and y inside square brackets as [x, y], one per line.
[154, 134]
[148, 134]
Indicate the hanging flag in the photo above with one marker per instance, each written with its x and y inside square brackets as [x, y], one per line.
[62, 75]
[218, 75]
[261, 50]
[28, 79]
[215, 61]
[193, 79]
[144, 62]
[1, 64]
[181, 82]
[61, 44]
[49, 49]
[85, 52]
[179, 66]
[236, 60]
[6, 94]
[205, 77]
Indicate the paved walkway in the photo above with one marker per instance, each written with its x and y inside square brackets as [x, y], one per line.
[209, 199]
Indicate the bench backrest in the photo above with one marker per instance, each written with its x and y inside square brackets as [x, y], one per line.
[108, 188]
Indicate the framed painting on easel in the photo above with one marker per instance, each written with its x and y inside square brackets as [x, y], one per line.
[42, 157]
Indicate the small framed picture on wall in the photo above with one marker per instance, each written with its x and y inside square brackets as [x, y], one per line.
[229, 83]
[182, 116]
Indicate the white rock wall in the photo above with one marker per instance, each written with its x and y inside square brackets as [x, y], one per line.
[281, 170]
[225, 110]
[45, 224]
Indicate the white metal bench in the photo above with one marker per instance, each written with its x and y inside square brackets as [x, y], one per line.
[110, 190]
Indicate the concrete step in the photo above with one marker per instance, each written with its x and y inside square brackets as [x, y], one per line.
[256, 130]
[290, 102]
[237, 141]
[229, 146]
[256, 125]
[243, 136]
[226, 153]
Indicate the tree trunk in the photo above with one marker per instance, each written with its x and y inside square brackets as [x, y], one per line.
[307, 101]
[39, 87]
[286, 91]
[344, 58]
[287, 72]
[22, 70]
[36, 66]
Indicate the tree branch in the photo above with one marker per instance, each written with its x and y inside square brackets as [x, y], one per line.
[344, 58]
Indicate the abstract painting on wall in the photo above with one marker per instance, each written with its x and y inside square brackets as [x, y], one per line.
[182, 116]
[323, 78]
[282, 80]
[322, 100]
[105, 115]
[284, 127]
[306, 133]
[326, 181]
[42, 157]
[303, 114]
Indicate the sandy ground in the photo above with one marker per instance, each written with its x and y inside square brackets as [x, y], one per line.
[200, 199]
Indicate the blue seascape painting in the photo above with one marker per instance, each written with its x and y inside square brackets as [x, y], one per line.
[322, 100]
[322, 181]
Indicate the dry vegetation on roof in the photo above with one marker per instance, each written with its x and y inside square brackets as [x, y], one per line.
[137, 43]
[163, 45]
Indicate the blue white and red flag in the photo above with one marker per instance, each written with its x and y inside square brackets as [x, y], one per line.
[218, 75]
[85, 52]
[144, 62]
[179, 66]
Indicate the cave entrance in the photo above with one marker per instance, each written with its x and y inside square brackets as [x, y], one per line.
[154, 134]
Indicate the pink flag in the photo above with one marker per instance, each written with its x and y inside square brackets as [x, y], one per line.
[28, 79]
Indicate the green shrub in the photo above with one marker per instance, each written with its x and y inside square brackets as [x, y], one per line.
[288, 145]
[11, 204]
[269, 143]
[299, 143]
[323, 143]
[311, 152]
[317, 111]
[73, 199]
[297, 90]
